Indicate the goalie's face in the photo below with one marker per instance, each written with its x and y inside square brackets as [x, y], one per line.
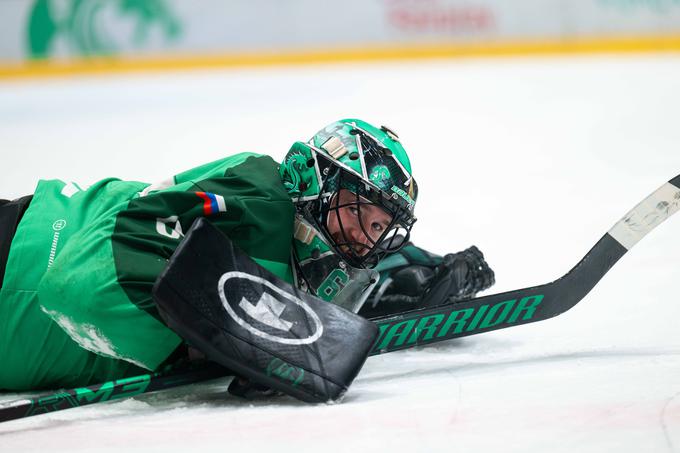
[355, 224]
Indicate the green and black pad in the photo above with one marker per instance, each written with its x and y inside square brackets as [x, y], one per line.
[245, 318]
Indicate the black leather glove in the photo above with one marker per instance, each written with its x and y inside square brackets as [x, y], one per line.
[455, 277]
[460, 276]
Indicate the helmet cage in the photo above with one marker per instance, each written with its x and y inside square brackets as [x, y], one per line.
[337, 177]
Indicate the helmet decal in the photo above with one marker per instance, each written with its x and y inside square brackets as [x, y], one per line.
[380, 176]
[299, 172]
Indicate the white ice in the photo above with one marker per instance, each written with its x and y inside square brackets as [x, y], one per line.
[530, 159]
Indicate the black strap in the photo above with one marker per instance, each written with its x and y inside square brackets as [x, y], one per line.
[11, 213]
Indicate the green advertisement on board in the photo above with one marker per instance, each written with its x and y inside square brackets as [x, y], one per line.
[98, 27]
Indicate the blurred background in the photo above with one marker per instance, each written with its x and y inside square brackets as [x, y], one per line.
[40, 37]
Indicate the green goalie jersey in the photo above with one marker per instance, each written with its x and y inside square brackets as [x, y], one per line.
[75, 305]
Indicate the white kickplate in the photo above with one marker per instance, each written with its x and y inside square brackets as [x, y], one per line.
[647, 215]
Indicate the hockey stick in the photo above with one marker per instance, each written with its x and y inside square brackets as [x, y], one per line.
[523, 306]
[420, 327]
[111, 390]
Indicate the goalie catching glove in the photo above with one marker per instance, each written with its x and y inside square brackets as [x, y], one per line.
[413, 278]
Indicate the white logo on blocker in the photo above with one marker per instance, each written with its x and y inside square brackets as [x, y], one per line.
[268, 310]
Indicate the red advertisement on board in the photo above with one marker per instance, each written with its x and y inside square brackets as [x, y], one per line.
[439, 16]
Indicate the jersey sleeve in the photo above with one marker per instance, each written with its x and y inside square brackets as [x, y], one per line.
[215, 169]
[99, 287]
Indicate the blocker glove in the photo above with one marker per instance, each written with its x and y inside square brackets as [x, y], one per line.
[418, 279]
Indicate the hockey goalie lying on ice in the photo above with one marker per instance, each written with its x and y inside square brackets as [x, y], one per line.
[331, 223]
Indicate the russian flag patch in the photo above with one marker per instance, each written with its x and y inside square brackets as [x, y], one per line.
[212, 203]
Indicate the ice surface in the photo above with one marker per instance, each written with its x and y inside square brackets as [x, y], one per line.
[530, 159]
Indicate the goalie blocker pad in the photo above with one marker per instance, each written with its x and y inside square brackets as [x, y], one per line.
[250, 321]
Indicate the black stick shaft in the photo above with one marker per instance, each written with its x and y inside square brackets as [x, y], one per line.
[111, 390]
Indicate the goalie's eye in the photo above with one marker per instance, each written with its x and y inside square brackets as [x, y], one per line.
[378, 227]
[366, 215]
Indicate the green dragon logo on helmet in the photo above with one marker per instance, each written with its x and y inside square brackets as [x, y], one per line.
[380, 176]
[298, 172]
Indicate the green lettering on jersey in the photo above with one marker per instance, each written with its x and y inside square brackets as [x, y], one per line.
[333, 284]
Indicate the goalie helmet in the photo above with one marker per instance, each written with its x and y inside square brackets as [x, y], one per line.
[350, 167]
